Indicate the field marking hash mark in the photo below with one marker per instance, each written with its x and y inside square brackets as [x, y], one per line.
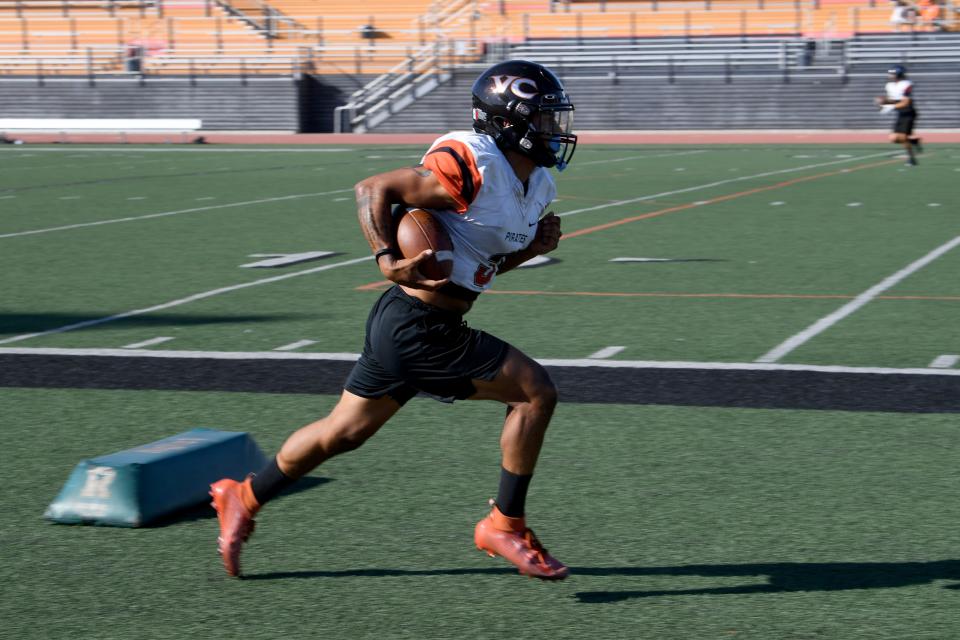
[293, 346]
[606, 352]
[944, 362]
[148, 343]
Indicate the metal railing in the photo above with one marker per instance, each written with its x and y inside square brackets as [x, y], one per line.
[95, 62]
[267, 20]
[417, 76]
[371, 104]
[421, 69]
[331, 59]
[67, 8]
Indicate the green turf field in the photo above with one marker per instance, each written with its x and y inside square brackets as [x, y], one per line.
[678, 522]
[792, 251]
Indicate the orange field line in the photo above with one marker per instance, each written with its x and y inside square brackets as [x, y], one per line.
[751, 296]
[380, 285]
[370, 286]
[731, 196]
[689, 205]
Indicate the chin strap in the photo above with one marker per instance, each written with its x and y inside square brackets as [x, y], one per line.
[506, 139]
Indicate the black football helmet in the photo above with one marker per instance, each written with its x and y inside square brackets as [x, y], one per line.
[523, 106]
[898, 71]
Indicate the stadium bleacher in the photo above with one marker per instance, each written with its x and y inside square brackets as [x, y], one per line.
[395, 54]
[214, 37]
[321, 36]
[697, 101]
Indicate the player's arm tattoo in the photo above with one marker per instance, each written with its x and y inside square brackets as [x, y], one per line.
[375, 219]
[377, 194]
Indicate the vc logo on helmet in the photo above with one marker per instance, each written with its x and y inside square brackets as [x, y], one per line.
[521, 87]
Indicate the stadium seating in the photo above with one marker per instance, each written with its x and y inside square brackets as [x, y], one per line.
[833, 18]
[323, 36]
[394, 56]
[80, 37]
[183, 36]
[695, 101]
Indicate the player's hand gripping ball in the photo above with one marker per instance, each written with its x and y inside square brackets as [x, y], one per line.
[419, 231]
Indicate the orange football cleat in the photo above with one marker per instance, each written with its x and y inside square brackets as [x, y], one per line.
[500, 535]
[236, 506]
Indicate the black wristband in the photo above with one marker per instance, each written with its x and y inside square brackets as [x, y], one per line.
[389, 251]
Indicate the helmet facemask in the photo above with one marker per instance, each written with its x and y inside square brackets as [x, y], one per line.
[541, 133]
[550, 131]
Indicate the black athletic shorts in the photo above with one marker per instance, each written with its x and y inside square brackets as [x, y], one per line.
[904, 123]
[412, 346]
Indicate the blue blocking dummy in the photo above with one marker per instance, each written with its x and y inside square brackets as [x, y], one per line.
[135, 487]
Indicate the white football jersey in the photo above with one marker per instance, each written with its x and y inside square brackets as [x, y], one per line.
[898, 90]
[494, 215]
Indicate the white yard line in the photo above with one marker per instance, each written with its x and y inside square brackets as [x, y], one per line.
[944, 362]
[550, 362]
[606, 352]
[293, 346]
[654, 155]
[148, 343]
[163, 214]
[180, 301]
[617, 203]
[828, 321]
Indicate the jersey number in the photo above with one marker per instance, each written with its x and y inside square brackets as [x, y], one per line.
[484, 275]
[485, 272]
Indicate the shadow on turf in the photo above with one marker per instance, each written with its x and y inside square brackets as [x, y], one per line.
[785, 577]
[29, 322]
[205, 511]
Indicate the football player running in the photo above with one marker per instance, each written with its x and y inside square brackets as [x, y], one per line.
[489, 189]
[898, 96]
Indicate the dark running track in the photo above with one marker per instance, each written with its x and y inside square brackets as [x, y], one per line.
[653, 385]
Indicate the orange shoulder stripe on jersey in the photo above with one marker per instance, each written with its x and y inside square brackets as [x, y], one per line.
[455, 166]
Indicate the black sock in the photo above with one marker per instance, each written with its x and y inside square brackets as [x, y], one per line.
[269, 482]
[512, 496]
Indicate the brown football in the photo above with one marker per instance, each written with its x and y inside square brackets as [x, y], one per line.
[417, 231]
